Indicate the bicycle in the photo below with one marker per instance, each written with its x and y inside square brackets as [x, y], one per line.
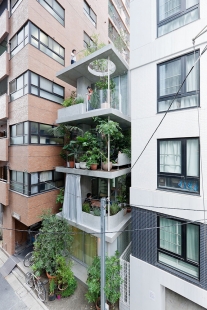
[32, 280]
[28, 259]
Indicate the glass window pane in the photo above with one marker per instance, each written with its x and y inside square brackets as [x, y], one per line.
[34, 79]
[20, 82]
[86, 7]
[49, 2]
[193, 157]
[34, 31]
[58, 89]
[51, 97]
[13, 130]
[45, 84]
[192, 82]
[170, 156]
[13, 42]
[62, 52]
[43, 38]
[168, 8]
[19, 129]
[93, 15]
[26, 140]
[19, 177]
[34, 178]
[178, 264]
[56, 47]
[179, 103]
[34, 127]
[20, 36]
[190, 3]
[34, 189]
[13, 175]
[26, 30]
[26, 125]
[45, 176]
[34, 42]
[34, 90]
[170, 235]
[25, 178]
[58, 9]
[34, 139]
[50, 41]
[17, 140]
[12, 86]
[193, 242]
[26, 40]
[170, 77]
[44, 129]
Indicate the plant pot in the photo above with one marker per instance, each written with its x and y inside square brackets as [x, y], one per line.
[62, 287]
[94, 166]
[105, 105]
[105, 166]
[83, 165]
[67, 164]
[72, 164]
[77, 165]
[98, 303]
[50, 277]
[51, 297]
[59, 297]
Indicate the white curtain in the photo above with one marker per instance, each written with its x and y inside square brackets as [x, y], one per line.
[170, 156]
[168, 8]
[170, 235]
[179, 103]
[72, 205]
[190, 3]
[192, 80]
[192, 158]
[170, 77]
[193, 242]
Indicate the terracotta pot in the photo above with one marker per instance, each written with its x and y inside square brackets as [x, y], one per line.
[50, 277]
[105, 166]
[62, 288]
[72, 164]
[94, 166]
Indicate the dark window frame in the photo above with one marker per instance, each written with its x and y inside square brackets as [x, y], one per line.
[52, 8]
[28, 85]
[29, 134]
[89, 14]
[23, 40]
[182, 12]
[12, 8]
[183, 175]
[85, 44]
[182, 93]
[27, 185]
[183, 256]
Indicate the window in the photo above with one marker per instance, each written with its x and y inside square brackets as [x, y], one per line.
[87, 41]
[32, 34]
[179, 164]
[178, 245]
[3, 6]
[3, 86]
[90, 13]
[19, 40]
[14, 4]
[46, 44]
[33, 133]
[36, 182]
[18, 87]
[38, 86]
[173, 14]
[55, 9]
[170, 76]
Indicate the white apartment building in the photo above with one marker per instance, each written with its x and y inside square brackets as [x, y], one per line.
[168, 264]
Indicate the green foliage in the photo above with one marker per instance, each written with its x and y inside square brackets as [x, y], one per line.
[107, 127]
[96, 211]
[60, 196]
[103, 83]
[114, 209]
[72, 284]
[120, 42]
[63, 272]
[113, 279]
[93, 47]
[73, 99]
[73, 149]
[53, 240]
[52, 286]
[95, 100]
[86, 207]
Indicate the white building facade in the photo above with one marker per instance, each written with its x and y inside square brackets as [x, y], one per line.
[169, 182]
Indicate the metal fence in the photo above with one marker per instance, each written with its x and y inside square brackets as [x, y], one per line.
[124, 301]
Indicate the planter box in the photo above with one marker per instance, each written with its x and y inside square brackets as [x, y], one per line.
[76, 109]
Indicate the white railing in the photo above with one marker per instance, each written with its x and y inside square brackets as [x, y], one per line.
[124, 301]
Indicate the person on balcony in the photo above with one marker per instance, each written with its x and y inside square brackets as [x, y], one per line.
[73, 57]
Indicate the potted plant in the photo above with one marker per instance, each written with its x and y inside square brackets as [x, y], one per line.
[60, 197]
[114, 208]
[52, 287]
[73, 148]
[83, 160]
[93, 158]
[112, 283]
[54, 238]
[86, 207]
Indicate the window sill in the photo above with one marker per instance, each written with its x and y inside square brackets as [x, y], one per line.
[178, 192]
[178, 110]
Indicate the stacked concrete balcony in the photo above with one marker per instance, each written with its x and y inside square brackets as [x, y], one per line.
[4, 192]
[3, 106]
[4, 24]
[4, 149]
[4, 65]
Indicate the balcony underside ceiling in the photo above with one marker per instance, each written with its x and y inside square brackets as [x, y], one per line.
[87, 118]
[79, 69]
[114, 173]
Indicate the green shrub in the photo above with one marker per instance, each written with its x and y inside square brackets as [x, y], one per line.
[114, 209]
[86, 207]
[96, 211]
